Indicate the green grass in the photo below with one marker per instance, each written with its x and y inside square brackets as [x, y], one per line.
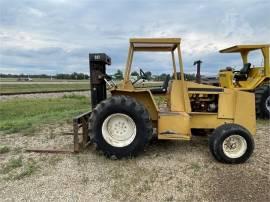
[4, 149]
[195, 166]
[27, 114]
[11, 165]
[16, 168]
[28, 169]
[40, 87]
[160, 99]
[263, 122]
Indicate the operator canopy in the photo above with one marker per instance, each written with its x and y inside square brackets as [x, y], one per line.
[242, 48]
[154, 44]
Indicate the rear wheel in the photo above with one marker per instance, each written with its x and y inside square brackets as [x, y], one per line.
[120, 126]
[231, 143]
[263, 101]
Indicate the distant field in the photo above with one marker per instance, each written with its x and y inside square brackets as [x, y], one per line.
[41, 87]
[10, 87]
[40, 80]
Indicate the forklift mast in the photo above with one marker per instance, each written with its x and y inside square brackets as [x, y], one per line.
[97, 65]
[198, 75]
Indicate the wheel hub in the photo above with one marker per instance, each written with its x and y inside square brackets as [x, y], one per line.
[119, 130]
[234, 146]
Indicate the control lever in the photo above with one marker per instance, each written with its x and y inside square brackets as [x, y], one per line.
[108, 79]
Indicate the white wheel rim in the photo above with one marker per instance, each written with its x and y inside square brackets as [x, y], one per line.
[267, 103]
[234, 146]
[119, 130]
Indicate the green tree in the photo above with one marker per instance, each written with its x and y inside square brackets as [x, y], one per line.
[162, 77]
[149, 75]
[118, 75]
[190, 77]
[134, 73]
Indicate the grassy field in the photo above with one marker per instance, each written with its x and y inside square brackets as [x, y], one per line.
[27, 114]
[40, 80]
[39, 87]
[27, 87]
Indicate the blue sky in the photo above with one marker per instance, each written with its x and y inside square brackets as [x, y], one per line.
[56, 36]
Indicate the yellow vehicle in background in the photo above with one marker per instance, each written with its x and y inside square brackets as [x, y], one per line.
[249, 77]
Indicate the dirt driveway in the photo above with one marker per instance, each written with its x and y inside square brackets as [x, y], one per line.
[166, 171]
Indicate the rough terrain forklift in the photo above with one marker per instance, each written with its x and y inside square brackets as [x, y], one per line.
[122, 124]
[250, 78]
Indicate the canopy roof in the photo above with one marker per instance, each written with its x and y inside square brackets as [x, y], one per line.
[154, 44]
[240, 48]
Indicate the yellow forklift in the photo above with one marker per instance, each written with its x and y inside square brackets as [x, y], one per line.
[250, 78]
[122, 124]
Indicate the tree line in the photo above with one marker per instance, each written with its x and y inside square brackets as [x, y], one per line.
[73, 76]
[118, 75]
[161, 77]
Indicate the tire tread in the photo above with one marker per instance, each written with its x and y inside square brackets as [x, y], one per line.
[128, 102]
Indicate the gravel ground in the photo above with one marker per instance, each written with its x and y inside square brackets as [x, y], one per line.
[166, 171]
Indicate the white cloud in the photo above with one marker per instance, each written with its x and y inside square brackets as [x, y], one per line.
[72, 29]
[36, 12]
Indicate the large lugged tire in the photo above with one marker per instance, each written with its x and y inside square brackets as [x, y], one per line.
[262, 95]
[120, 126]
[231, 143]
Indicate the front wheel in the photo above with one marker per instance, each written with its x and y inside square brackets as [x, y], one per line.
[231, 143]
[262, 95]
[120, 126]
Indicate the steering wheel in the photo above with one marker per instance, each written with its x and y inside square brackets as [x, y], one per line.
[143, 75]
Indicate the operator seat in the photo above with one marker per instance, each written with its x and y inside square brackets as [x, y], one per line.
[242, 75]
[163, 89]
